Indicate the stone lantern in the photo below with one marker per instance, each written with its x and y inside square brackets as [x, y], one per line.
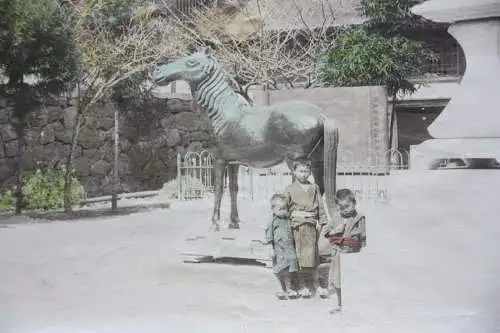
[469, 126]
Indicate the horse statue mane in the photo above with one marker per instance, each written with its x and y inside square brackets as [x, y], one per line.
[209, 84]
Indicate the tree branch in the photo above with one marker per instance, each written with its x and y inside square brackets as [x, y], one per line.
[251, 52]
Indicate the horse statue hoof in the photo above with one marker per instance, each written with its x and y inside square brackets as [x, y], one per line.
[234, 225]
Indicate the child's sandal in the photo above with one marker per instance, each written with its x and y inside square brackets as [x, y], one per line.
[281, 295]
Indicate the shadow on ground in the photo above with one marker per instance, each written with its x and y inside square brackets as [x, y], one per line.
[81, 214]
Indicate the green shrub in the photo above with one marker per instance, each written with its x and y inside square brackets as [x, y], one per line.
[44, 189]
[7, 200]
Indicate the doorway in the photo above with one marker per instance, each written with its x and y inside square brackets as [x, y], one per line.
[412, 124]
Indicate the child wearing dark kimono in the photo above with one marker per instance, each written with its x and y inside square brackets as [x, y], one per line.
[307, 215]
[279, 235]
[346, 233]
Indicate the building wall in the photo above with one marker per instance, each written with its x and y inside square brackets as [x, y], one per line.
[360, 112]
[434, 90]
[361, 115]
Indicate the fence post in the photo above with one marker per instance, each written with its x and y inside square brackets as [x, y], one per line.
[252, 183]
[179, 174]
[362, 174]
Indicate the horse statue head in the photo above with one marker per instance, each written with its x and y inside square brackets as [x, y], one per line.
[191, 68]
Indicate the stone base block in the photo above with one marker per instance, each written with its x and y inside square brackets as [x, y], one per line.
[427, 155]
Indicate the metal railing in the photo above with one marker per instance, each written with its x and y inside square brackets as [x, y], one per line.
[195, 176]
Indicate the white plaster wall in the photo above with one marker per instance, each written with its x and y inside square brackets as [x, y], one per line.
[432, 91]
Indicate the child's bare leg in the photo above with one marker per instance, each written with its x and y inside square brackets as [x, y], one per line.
[311, 278]
[301, 278]
[315, 281]
[322, 280]
[305, 280]
[286, 282]
[288, 286]
[284, 277]
[338, 292]
[281, 278]
[294, 281]
[281, 294]
[323, 275]
[335, 279]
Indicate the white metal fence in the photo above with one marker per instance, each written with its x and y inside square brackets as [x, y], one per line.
[195, 177]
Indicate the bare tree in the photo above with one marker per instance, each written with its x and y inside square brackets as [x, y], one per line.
[264, 42]
[115, 40]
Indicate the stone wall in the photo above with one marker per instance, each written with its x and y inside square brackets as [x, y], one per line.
[150, 137]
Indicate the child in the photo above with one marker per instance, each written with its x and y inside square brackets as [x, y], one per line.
[279, 234]
[307, 215]
[347, 235]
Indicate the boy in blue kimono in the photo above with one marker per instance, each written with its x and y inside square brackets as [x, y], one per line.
[279, 235]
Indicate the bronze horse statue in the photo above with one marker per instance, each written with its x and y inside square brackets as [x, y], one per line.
[256, 136]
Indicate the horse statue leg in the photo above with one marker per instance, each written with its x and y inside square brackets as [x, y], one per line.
[233, 191]
[330, 151]
[318, 166]
[219, 170]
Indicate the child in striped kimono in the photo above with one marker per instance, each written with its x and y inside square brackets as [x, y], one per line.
[279, 235]
[307, 215]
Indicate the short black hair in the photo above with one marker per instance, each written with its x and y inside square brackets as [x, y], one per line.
[345, 194]
[276, 197]
[303, 162]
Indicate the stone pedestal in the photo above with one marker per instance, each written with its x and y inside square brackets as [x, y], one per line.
[469, 126]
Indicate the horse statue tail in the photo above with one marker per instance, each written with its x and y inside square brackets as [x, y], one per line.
[331, 143]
